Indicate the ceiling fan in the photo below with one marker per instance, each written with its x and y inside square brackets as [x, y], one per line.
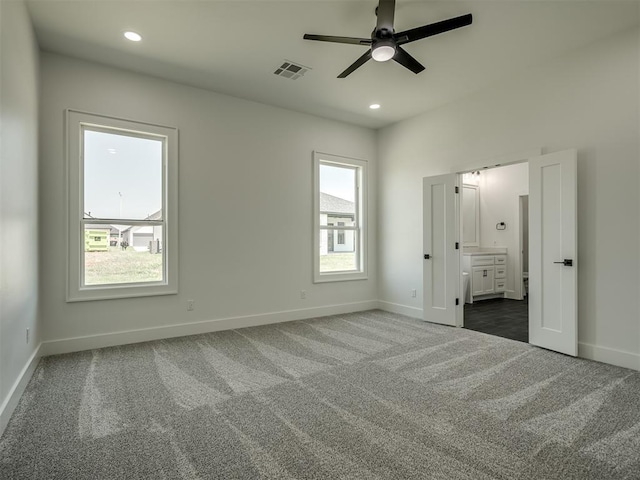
[385, 43]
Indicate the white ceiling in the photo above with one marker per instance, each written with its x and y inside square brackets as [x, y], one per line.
[233, 47]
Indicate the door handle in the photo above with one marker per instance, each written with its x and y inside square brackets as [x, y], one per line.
[427, 256]
[567, 262]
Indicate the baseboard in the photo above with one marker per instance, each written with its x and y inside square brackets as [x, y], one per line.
[585, 350]
[401, 309]
[16, 391]
[77, 344]
[609, 355]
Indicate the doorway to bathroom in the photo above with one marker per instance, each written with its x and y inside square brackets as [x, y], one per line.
[494, 211]
[551, 293]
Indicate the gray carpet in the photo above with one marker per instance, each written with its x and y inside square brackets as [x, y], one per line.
[369, 395]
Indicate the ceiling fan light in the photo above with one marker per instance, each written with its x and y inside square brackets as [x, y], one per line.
[382, 53]
[133, 36]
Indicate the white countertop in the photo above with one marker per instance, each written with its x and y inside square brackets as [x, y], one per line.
[484, 251]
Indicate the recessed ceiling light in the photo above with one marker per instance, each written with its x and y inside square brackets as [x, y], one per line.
[374, 106]
[133, 36]
[112, 151]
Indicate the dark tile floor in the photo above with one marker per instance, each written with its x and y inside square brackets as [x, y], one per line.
[499, 316]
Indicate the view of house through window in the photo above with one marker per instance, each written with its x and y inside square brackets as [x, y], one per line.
[122, 207]
[338, 210]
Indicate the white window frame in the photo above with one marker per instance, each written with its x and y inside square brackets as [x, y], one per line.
[360, 220]
[76, 123]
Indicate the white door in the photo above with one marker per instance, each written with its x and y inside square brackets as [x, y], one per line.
[552, 252]
[441, 273]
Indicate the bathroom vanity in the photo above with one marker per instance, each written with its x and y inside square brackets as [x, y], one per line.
[487, 268]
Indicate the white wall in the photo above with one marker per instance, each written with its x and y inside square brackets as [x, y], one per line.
[500, 190]
[242, 164]
[18, 201]
[587, 100]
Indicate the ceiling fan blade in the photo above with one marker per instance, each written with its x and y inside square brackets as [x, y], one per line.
[385, 12]
[328, 38]
[357, 64]
[406, 60]
[432, 29]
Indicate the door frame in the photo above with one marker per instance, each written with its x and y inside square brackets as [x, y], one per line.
[520, 270]
[480, 165]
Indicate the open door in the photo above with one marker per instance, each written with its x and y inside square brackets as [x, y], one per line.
[441, 272]
[552, 252]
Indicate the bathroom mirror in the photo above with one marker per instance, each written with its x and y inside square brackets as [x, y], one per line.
[470, 216]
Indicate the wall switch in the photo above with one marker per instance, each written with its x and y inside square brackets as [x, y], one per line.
[414, 293]
[303, 294]
[27, 335]
[191, 305]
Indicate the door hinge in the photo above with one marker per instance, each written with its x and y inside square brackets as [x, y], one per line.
[457, 189]
[457, 301]
[457, 246]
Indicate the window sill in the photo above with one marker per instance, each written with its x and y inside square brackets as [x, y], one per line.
[339, 277]
[125, 291]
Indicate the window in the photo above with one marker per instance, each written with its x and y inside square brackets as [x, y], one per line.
[339, 218]
[122, 208]
[341, 234]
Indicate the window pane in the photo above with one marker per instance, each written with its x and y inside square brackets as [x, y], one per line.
[337, 219]
[122, 254]
[122, 176]
[337, 195]
[338, 250]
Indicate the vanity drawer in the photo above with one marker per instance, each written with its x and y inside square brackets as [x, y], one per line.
[500, 259]
[501, 284]
[478, 260]
[501, 271]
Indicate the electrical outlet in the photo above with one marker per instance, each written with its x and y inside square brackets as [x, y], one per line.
[191, 305]
[303, 294]
[27, 335]
[414, 293]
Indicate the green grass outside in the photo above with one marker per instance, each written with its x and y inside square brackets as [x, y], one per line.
[122, 266]
[335, 262]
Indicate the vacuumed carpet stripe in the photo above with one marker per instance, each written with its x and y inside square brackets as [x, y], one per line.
[368, 395]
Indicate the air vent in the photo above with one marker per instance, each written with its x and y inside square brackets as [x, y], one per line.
[291, 70]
